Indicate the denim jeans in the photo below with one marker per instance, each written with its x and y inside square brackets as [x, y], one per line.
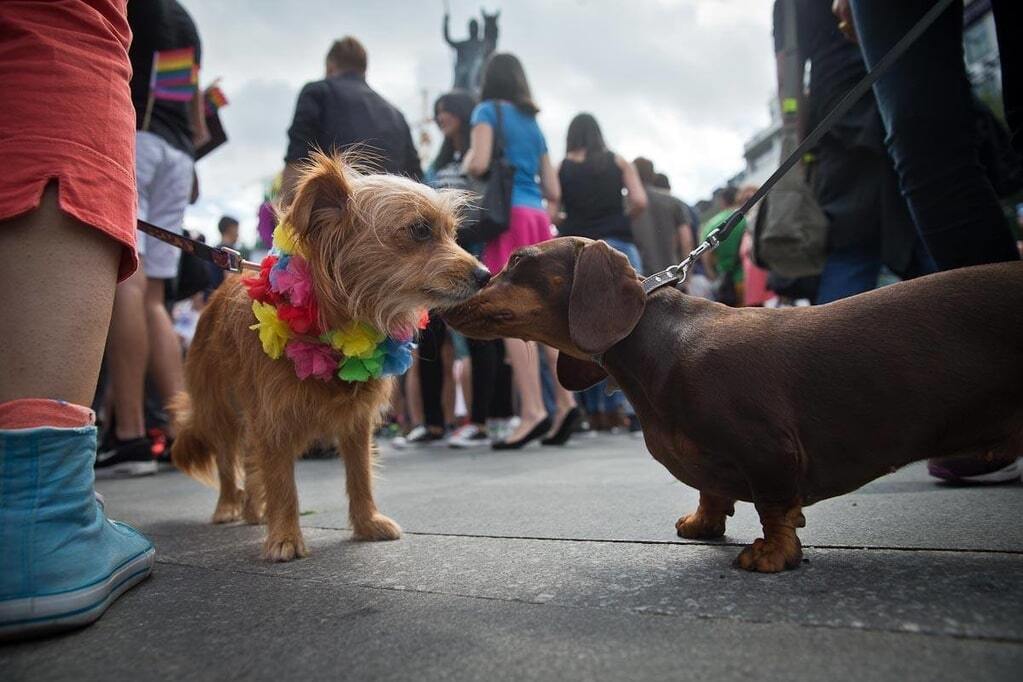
[855, 269]
[926, 105]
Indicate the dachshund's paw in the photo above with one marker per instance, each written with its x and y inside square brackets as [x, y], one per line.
[697, 526]
[284, 548]
[771, 556]
[379, 527]
[227, 512]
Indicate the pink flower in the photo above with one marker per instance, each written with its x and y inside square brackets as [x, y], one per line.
[295, 280]
[313, 359]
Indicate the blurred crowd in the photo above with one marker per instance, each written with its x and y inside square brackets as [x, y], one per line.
[464, 393]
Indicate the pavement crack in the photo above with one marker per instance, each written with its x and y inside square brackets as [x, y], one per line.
[694, 543]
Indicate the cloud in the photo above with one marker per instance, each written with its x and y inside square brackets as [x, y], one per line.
[683, 82]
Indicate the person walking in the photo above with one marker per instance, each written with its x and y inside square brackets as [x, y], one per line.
[592, 179]
[506, 89]
[141, 330]
[663, 232]
[724, 265]
[927, 107]
[340, 111]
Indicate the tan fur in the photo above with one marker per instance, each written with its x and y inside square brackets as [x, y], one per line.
[246, 411]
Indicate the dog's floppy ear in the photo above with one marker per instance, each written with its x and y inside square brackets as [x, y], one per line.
[322, 193]
[607, 299]
[578, 375]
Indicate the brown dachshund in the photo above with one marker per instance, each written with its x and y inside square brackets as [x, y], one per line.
[782, 407]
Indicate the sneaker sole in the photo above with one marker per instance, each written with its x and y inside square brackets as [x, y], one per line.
[34, 616]
[128, 469]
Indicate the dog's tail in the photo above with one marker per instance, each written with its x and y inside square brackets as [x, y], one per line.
[190, 452]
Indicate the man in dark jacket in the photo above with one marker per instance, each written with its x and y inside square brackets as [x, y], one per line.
[342, 110]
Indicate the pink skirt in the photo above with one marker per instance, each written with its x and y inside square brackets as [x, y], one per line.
[527, 226]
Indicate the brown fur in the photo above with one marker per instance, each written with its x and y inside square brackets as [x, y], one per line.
[778, 407]
[245, 412]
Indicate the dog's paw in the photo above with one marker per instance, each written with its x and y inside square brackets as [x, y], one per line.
[227, 512]
[698, 526]
[284, 548]
[770, 556]
[252, 514]
[379, 527]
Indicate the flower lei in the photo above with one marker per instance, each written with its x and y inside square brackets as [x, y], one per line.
[284, 303]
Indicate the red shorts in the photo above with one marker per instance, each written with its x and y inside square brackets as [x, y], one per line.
[67, 113]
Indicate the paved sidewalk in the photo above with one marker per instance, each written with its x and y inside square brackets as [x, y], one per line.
[557, 564]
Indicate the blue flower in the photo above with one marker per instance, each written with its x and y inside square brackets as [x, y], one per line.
[280, 266]
[397, 356]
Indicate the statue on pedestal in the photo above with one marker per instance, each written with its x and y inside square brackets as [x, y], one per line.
[471, 54]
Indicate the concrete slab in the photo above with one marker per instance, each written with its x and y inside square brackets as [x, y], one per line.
[608, 488]
[201, 624]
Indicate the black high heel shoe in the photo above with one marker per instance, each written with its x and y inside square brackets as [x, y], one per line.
[543, 427]
[566, 429]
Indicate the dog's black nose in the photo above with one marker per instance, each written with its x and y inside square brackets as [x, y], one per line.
[482, 276]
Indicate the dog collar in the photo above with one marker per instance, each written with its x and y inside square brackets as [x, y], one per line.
[287, 320]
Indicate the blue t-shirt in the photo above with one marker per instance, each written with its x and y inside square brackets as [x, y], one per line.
[523, 146]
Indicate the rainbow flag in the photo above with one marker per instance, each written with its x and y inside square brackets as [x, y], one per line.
[215, 99]
[175, 75]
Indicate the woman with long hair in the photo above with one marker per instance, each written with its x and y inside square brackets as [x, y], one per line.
[592, 179]
[506, 90]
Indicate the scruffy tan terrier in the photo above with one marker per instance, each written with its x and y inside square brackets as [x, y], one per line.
[300, 354]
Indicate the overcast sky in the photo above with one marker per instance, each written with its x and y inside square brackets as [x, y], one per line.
[683, 82]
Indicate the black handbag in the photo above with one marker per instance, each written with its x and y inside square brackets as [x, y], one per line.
[495, 205]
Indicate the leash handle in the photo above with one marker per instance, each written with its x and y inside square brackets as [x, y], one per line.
[716, 236]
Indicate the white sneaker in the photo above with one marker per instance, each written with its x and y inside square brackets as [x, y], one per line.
[418, 437]
[469, 436]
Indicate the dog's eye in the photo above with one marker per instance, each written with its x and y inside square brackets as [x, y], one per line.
[421, 231]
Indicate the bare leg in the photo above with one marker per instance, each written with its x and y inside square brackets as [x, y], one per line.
[127, 350]
[414, 396]
[525, 364]
[367, 522]
[780, 548]
[563, 398]
[708, 521]
[57, 292]
[164, 346]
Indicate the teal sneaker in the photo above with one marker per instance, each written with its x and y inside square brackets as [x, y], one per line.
[62, 562]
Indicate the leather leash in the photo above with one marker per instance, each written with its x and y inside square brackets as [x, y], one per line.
[676, 274]
[223, 257]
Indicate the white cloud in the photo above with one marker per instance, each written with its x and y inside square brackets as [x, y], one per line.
[683, 82]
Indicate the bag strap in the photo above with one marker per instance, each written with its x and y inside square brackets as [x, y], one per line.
[498, 151]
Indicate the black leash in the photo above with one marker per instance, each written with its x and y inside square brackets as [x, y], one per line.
[677, 273]
[223, 257]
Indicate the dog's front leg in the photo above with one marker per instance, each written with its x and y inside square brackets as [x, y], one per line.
[367, 522]
[284, 540]
[708, 521]
[780, 548]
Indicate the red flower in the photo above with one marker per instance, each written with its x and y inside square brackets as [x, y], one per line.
[259, 287]
[424, 320]
[301, 319]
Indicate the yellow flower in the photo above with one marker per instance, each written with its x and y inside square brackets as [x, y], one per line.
[285, 239]
[357, 340]
[273, 332]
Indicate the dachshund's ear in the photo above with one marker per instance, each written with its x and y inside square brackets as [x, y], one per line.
[578, 375]
[321, 195]
[607, 299]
